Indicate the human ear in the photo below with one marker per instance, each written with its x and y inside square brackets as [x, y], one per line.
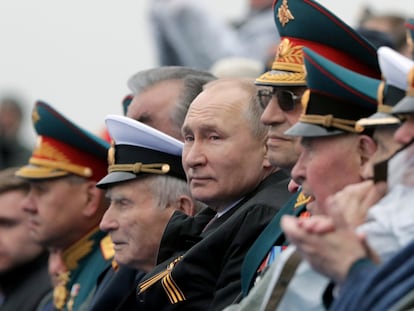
[93, 196]
[367, 147]
[186, 205]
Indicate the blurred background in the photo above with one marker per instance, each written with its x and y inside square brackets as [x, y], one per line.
[77, 55]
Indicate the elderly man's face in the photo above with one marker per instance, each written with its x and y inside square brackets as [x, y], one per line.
[222, 157]
[326, 165]
[135, 223]
[155, 106]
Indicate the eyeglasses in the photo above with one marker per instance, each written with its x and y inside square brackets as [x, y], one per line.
[285, 98]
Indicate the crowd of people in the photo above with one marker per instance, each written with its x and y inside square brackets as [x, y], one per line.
[289, 191]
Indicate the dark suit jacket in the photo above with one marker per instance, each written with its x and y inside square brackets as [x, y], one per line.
[26, 286]
[207, 276]
[370, 287]
[183, 232]
[116, 290]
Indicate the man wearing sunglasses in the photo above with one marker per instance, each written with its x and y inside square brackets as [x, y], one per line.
[281, 95]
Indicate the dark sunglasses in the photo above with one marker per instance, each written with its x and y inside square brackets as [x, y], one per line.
[285, 98]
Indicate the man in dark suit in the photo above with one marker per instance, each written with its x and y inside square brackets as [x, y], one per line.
[160, 98]
[225, 159]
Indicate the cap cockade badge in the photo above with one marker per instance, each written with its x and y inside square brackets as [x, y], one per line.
[35, 116]
[284, 14]
[111, 154]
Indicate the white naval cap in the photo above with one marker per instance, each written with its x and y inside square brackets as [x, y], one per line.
[394, 68]
[139, 149]
[406, 105]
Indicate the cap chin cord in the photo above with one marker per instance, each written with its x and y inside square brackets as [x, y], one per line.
[139, 167]
[330, 121]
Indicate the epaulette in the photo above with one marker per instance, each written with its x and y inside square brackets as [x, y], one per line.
[107, 248]
[302, 199]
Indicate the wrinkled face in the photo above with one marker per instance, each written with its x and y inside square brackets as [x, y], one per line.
[283, 150]
[155, 106]
[55, 209]
[386, 146]
[16, 245]
[222, 158]
[135, 223]
[325, 166]
[405, 133]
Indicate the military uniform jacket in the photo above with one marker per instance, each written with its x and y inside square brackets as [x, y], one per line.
[207, 276]
[86, 260]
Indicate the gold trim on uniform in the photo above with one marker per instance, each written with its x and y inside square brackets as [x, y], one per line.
[115, 265]
[60, 293]
[79, 250]
[139, 167]
[384, 109]
[71, 258]
[365, 122]
[287, 67]
[35, 116]
[107, 248]
[111, 154]
[305, 100]
[302, 199]
[380, 93]
[174, 293]
[284, 14]
[65, 167]
[329, 121]
[143, 286]
[47, 150]
[289, 57]
[47, 161]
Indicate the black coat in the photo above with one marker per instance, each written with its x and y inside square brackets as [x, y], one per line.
[207, 276]
[26, 286]
[116, 290]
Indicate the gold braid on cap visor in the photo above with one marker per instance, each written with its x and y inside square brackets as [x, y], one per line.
[139, 167]
[70, 168]
[330, 121]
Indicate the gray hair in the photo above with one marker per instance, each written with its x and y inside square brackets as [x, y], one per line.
[254, 110]
[193, 85]
[167, 189]
[146, 78]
